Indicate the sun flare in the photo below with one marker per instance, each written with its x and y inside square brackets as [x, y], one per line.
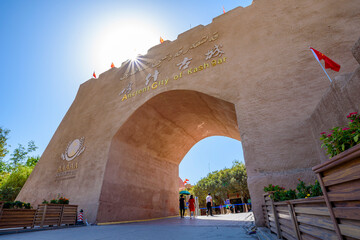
[122, 41]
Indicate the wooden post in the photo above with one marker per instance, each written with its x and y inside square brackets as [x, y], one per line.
[330, 207]
[266, 210]
[278, 230]
[1, 208]
[43, 216]
[266, 217]
[294, 220]
[33, 223]
[61, 215]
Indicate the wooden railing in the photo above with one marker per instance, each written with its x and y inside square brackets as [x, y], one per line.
[299, 219]
[340, 182]
[44, 215]
[69, 214]
[14, 218]
[336, 215]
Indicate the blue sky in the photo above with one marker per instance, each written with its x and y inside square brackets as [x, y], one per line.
[48, 48]
[210, 154]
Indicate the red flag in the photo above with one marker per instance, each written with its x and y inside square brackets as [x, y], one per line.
[94, 75]
[328, 62]
[224, 10]
[112, 65]
[161, 40]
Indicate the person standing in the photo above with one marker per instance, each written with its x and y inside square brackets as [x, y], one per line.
[182, 205]
[192, 205]
[209, 203]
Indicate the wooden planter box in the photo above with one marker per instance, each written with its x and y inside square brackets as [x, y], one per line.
[336, 215]
[55, 214]
[69, 214]
[339, 178]
[307, 218]
[16, 218]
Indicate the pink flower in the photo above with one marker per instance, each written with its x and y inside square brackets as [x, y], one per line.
[344, 129]
[350, 114]
[351, 120]
[323, 133]
[329, 135]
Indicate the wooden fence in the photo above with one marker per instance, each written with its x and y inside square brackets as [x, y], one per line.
[69, 214]
[299, 219]
[44, 215]
[336, 215]
[14, 218]
[340, 182]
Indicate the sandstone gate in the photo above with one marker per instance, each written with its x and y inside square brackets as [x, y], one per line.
[248, 75]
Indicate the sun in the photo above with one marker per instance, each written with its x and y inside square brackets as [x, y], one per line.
[133, 55]
[122, 41]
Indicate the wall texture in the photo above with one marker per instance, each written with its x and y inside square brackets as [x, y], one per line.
[341, 98]
[265, 83]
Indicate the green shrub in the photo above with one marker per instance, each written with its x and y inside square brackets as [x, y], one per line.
[302, 191]
[342, 138]
[61, 200]
[17, 205]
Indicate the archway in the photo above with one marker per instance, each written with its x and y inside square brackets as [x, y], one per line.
[210, 154]
[141, 175]
[274, 98]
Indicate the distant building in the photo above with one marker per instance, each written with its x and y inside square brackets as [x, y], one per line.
[181, 185]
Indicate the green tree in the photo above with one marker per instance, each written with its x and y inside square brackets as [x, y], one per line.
[222, 183]
[238, 182]
[3, 177]
[20, 153]
[11, 187]
[32, 161]
[3, 150]
[14, 173]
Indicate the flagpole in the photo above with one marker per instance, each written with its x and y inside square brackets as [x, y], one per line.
[320, 64]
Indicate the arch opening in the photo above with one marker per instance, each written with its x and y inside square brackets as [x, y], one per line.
[141, 175]
[210, 154]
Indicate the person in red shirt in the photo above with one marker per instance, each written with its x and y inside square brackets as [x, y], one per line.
[192, 205]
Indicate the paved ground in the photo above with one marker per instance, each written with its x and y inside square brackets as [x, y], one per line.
[231, 226]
